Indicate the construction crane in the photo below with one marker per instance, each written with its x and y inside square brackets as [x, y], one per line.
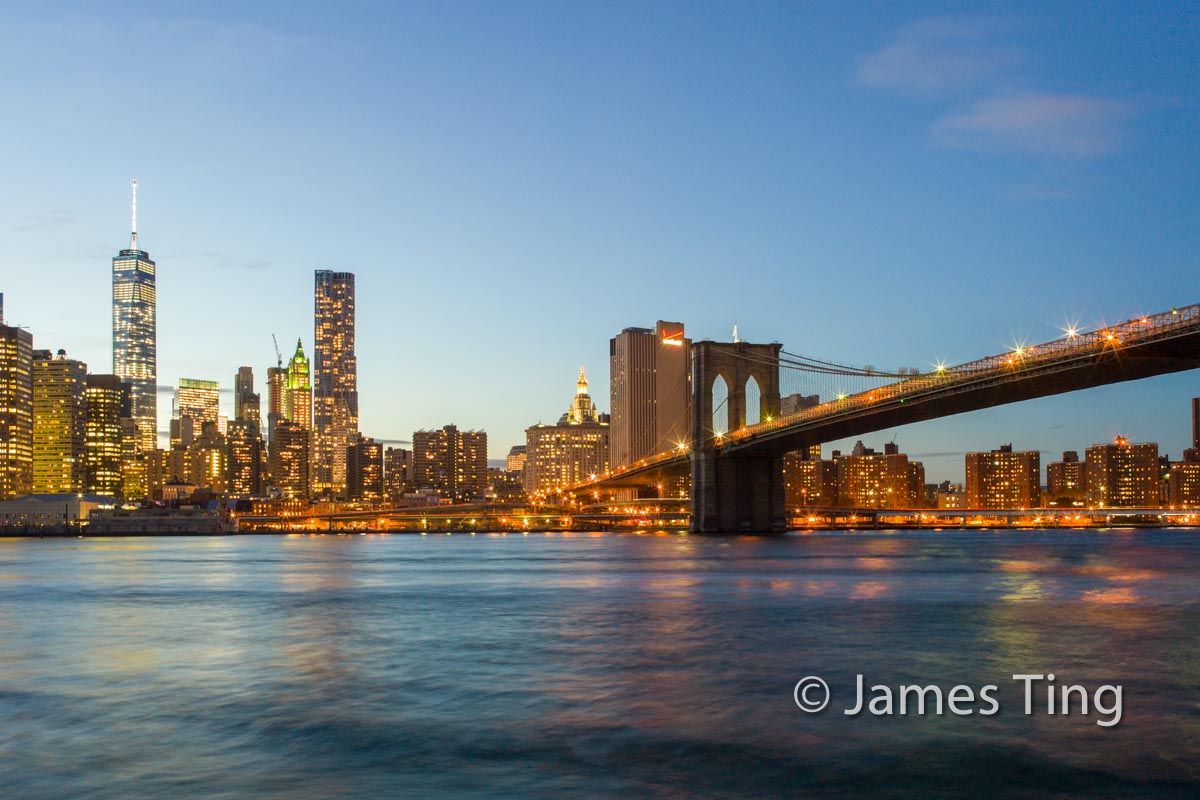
[278, 355]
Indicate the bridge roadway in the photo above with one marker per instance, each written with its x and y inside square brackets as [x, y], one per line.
[1139, 348]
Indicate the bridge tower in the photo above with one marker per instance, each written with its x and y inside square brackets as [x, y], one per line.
[732, 493]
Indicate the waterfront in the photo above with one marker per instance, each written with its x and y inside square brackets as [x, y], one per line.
[578, 665]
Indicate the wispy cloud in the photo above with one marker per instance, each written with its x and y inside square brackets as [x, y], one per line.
[53, 220]
[224, 260]
[941, 55]
[1038, 123]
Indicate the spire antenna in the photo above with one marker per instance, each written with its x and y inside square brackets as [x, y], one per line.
[133, 226]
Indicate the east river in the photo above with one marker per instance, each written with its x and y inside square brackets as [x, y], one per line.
[606, 665]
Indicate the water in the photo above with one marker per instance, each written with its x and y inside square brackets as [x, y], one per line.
[554, 666]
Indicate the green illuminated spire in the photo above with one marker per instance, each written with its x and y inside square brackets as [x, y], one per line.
[297, 371]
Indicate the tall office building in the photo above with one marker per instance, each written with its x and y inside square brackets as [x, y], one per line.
[196, 402]
[244, 458]
[335, 380]
[364, 470]
[571, 451]
[650, 390]
[247, 405]
[16, 411]
[108, 401]
[135, 337]
[276, 400]
[1003, 479]
[451, 462]
[298, 403]
[1123, 474]
[209, 459]
[59, 422]
[291, 459]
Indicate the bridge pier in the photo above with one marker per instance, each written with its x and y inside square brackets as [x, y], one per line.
[734, 493]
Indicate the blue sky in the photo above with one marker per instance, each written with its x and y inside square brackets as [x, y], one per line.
[886, 184]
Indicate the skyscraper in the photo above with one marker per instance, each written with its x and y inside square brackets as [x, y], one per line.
[298, 404]
[135, 337]
[650, 391]
[290, 460]
[247, 405]
[244, 458]
[108, 400]
[335, 380]
[59, 422]
[571, 451]
[276, 400]
[16, 412]
[1003, 479]
[1123, 474]
[196, 402]
[364, 470]
[452, 462]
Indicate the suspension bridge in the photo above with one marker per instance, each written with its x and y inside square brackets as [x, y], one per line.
[740, 427]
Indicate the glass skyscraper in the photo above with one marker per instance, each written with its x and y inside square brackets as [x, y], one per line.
[135, 337]
[335, 381]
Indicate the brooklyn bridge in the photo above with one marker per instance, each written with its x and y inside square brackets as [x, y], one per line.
[740, 429]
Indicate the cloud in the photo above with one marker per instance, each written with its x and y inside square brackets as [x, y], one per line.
[941, 55]
[225, 260]
[53, 220]
[1037, 123]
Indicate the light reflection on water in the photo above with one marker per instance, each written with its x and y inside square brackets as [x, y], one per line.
[589, 665]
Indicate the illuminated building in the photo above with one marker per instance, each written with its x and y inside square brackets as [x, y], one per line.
[134, 470]
[879, 480]
[209, 460]
[59, 422]
[364, 470]
[451, 462]
[107, 402]
[1066, 480]
[516, 458]
[1183, 484]
[1003, 479]
[16, 410]
[195, 400]
[291, 458]
[244, 458]
[276, 400]
[572, 451]
[135, 337]
[298, 404]
[247, 406]
[650, 392]
[809, 482]
[504, 486]
[397, 473]
[1123, 474]
[335, 380]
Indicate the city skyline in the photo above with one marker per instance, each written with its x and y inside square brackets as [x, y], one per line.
[1004, 232]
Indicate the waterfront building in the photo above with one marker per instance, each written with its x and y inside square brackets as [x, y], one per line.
[134, 470]
[1003, 479]
[1183, 484]
[291, 460]
[247, 405]
[650, 392]
[397, 473]
[505, 487]
[573, 450]
[16, 411]
[58, 508]
[364, 470]
[809, 482]
[244, 458]
[879, 480]
[59, 422]
[1066, 480]
[335, 380]
[196, 402]
[108, 400]
[276, 400]
[1123, 474]
[451, 462]
[951, 498]
[135, 336]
